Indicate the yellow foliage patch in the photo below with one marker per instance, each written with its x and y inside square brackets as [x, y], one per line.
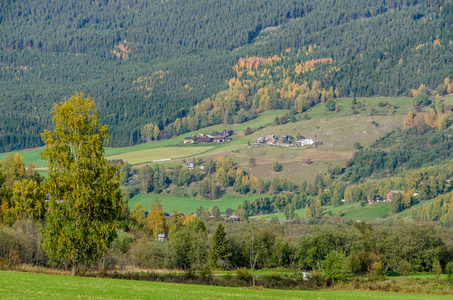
[310, 64]
[254, 62]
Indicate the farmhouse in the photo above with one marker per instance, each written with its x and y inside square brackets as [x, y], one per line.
[305, 142]
[161, 237]
[376, 198]
[287, 143]
[234, 218]
[391, 193]
[270, 141]
[189, 165]
[227, 132]
[271, 136]
[218, 137]
[188, 140]
[221, 138]
[204, 138]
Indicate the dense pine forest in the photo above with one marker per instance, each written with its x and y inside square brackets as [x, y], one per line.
[151, 61]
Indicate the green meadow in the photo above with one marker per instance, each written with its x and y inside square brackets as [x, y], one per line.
[188, 205]
[155, 154]
[14, 285]
[301, 212]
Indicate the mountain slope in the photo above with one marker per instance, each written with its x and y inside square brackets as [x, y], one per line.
[150, 61]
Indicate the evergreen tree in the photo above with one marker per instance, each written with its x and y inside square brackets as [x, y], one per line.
[220, 247]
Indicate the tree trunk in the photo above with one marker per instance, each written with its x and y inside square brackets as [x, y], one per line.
[74, 270]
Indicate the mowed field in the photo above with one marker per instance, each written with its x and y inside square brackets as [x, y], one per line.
[155, 154]
[14, 285]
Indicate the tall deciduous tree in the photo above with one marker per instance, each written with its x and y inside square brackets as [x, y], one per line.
[85, 195]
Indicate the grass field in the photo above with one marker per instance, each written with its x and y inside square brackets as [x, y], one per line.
[14, 285]
[187, 205]
[154, 154]
[355, 211]
[369, 211]
[301, 212]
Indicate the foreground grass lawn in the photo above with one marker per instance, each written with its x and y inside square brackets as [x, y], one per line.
[15, 285]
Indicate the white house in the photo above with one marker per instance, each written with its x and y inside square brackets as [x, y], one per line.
[305, 142]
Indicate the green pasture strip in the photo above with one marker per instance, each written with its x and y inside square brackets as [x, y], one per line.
[369, 211]
[355, 211]
[155, 154]
[407, 213]
[187, 205]
[14, 285]
[301, 212]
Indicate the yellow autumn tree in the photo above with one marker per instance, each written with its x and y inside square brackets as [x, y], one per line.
[13, 167]
[156, 132]
[4, 208]
[307, 211]
[177, 126]
[27, 200]
[407, 121]
[156, 218]
[147, 132]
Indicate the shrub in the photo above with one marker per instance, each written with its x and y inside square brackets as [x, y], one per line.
[376, 272]
[243, 274]
[449, 271]
[358, 146]
[248, 131]
[337, 267]
[276, 166]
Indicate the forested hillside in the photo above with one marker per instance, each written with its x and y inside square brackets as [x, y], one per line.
[151, 61]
